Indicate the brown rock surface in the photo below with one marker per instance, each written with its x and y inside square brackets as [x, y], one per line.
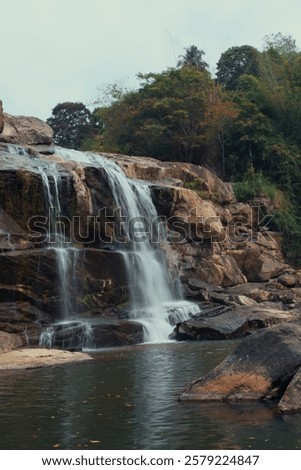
[10, 341]
[291, 399]
[261, 366]
[25, 130]
[39, 357]
[151, 169]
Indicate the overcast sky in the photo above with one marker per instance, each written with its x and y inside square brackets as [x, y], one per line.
[64, 50]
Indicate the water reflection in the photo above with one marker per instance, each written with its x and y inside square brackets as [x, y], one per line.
[127, 399]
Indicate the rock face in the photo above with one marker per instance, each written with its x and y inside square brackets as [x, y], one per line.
[261, 366]
[23, 130]
[214, 243]
[10, 341]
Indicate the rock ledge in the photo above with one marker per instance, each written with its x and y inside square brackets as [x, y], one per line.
[31, 358]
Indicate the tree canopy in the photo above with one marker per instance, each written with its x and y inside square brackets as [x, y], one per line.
[193, 57]
[235, 62]
[71, 124]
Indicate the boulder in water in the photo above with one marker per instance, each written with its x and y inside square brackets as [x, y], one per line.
[229, 322]
[261, 367]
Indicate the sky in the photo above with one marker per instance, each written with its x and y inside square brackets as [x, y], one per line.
[54, 51]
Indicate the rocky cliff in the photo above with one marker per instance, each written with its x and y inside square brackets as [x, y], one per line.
[214, 243]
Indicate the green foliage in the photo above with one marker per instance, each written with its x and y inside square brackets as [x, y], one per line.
[255, 185]
[162, 119]
[285, 214]
[197, 185]
[71, 124]
[193, 57]
[235, 62]
[288, 223]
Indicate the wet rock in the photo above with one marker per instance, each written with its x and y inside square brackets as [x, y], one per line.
[33, 276]
[25, 130]
[261, 366]
[117, 334]
[291, 399]
[21, 312]
[77, 335]
[229, 322]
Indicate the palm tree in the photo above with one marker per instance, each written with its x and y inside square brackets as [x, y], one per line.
[192, 58]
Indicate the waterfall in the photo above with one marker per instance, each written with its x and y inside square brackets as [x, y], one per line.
[57, 242]
[78, 334]
[154, 300]
[66, 255]
[47, 337]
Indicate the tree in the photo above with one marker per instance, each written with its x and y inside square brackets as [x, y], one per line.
[219, 118]
[283, 45]
[192, 58]
[235, 62]
[162, 119]
[281, 73]
[71, 124]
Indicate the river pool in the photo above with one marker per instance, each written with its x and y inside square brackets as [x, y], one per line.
[127, 399]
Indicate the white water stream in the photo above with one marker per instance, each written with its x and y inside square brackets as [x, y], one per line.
[154, 302]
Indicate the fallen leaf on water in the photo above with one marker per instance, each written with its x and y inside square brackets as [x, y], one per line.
[55, 446]
[94, 442]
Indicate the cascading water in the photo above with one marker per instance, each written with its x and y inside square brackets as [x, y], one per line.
[67, 258]
[154, 301]
[57, 242]
[79, 333]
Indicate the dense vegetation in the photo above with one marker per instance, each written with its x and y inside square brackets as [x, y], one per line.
[244, 123]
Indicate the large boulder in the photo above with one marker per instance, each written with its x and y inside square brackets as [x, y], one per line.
[189, 217]
[229, 322]
[291, 399]
[25, 130]
[261, 366]
[76, 335]
[220, 270]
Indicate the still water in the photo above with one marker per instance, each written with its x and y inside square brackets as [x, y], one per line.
[127, 399]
